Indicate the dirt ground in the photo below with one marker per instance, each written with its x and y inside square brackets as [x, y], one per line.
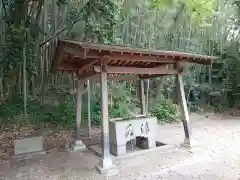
[215, 156]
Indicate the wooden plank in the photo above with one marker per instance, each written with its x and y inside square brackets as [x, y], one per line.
[81, 53]
[133, 70]
[152, 76]
[137, 58]
[74, 65]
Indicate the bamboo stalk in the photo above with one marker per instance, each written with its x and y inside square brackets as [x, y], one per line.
[2, 42]
[44, 53]
[24, 79]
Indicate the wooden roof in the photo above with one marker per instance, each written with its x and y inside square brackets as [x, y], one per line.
[85, 59]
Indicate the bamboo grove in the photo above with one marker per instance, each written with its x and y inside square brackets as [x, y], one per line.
[29, 31]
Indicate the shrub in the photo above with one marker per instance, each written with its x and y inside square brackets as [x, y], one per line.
[165, 111]
[63, 115]
[122, 109]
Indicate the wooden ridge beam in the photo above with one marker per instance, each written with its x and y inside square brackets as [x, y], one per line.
[132, 70]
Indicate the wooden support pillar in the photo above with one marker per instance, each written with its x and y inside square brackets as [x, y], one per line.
[184, 109]
[79, 144]
[105, 165]
[142, 98]
[79, 108]
[147, 97]
[89, 110]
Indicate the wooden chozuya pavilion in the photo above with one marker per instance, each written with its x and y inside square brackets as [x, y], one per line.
[86, 61]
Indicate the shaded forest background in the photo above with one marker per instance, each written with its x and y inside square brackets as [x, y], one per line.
[29, 30]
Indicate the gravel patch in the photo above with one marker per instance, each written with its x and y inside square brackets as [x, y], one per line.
[214, 157]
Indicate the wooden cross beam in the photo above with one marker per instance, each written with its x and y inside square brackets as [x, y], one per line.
[96, 78]
[86, 66]
[86, 75]
[151, 76]
[135, 57]
[133, 70]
